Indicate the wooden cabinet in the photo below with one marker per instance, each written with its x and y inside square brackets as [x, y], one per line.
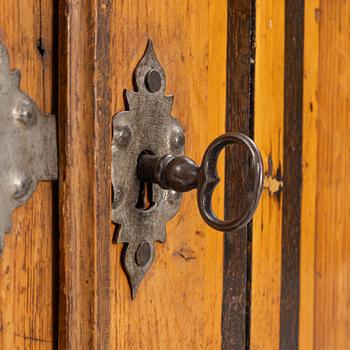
[277, 71]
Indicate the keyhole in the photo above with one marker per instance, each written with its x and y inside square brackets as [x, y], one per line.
[145, 199]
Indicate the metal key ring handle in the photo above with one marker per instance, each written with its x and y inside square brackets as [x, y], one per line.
[208, 180]
[182, 174]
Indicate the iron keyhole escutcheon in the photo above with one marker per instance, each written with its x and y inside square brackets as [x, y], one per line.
[150, 171]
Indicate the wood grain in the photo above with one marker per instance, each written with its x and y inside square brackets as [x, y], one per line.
[292, 173]
[332, 275]
[28, 265]
[268, 134]
[308, 212]
[239, 118]
[84, 140]
[178, 305]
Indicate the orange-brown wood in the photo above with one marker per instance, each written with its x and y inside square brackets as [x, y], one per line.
[179, 302]
[324, 260]
[308, 213]
[84, 140]
[178, 305]
[268, 133]
[332, 264]
[29, 263]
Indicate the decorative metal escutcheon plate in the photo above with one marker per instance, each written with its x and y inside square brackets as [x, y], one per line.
[28, 145]
[146, 127]
[150, 172]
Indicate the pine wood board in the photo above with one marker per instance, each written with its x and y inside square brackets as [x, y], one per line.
[332, 247]
[268, 135]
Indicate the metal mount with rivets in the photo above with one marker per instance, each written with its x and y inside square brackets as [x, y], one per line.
[28, 145]
[147, 127]
[149, 171]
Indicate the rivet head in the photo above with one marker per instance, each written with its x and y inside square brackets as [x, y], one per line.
[22, 187]
[177, 140]
[143, 253]
[24, 112]
[173, 197]
[122, 136]
[117, 197]
[153, 81]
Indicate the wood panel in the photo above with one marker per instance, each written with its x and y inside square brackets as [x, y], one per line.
[324, 245]
[308, 212]
[28, 265]
[292, 173]
[85, 193]
[239, 118]
[268, 132]
[178, 305]
[332, 265]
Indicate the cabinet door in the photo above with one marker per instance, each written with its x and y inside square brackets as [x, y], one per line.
[276, 71]
[29, 261]
[300, 260]
[179, 303]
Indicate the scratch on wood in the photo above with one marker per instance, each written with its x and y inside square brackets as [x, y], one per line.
[317, 15]
[273, 181]
[28, 337]
[273, 185]
[185, 253]
[41, 47]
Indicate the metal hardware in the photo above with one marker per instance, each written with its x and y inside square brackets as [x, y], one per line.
[28, 149]
[146, 127]
[149, 171]
[182, 174]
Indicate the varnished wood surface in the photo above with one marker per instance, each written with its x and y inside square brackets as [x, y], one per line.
[84, 203]
[292, 173]
[178, 305]
[308, 213]
[28, 265]
[332, 249]
[268, 132]
[323, 311]
[239, 118]
[169, 317]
